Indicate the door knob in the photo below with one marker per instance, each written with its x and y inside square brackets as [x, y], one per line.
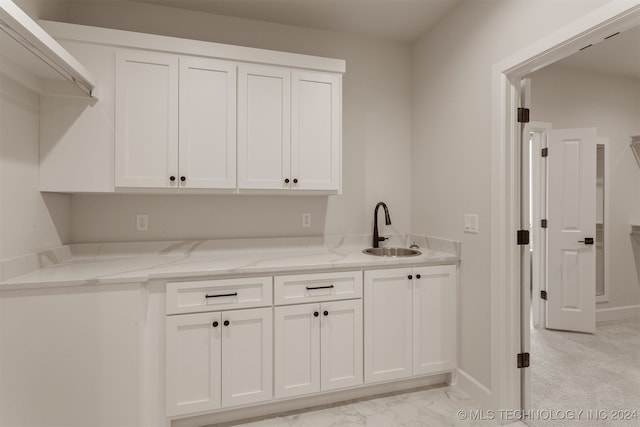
[587, 241]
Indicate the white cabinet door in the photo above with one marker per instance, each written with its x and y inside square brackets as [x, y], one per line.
[387, 324]
[247, 356]
[146, 141]
[207, 123]
[264, 127]
[341, 344]
[316, 130]
[193, 363]
[434, 319]
[297, 350]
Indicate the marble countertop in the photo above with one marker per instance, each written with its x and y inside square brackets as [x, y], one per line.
[139, 262]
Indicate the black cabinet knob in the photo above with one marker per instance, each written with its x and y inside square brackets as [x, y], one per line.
[295, 180]
[286, 180]
[183, 178]
[226, 323]
[326, 313]
[172, 178]
[316, 314]
[418, 276]
[410, 277]
[215, 324]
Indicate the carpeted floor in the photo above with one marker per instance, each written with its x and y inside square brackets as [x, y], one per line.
[574, 371]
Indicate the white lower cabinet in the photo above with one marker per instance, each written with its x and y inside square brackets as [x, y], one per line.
[232, 342]
[318, 347]
[409, 322]
[218, 359]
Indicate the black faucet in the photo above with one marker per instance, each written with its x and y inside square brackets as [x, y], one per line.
[387, 220]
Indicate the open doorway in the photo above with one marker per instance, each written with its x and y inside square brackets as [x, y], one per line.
[595, 98]
[509, 271]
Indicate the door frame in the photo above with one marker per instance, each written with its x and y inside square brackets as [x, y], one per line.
[506, 387]
[604, 142]
[538, 207]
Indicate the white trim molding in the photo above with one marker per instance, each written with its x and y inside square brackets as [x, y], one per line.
[617, 313]
[505, 268]
[474, 388]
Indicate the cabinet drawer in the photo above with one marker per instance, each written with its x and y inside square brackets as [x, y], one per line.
[223, 294]
[317, 287]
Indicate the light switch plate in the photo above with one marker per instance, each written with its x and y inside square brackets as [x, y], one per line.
[471, 223]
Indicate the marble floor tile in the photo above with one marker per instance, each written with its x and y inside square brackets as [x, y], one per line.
[433, 407]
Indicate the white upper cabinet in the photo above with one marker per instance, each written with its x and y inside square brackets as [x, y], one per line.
[316, 104]
[146, 119]
[207, 149]
[190, 116]
[175, 121]
[264, 121]
[289, 129]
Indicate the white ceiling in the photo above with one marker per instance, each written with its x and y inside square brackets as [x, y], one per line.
[618, 55]
[392, 20]
[400, 21]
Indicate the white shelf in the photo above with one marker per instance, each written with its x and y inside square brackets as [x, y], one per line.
[31, 56]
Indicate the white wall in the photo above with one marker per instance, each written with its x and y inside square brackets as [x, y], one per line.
[451, 158]
[29, 221]
[574, 98]
[376, 138]
[44, 9]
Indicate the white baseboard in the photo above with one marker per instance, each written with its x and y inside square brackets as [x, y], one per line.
[617, 313]
[474, 388]
[317, 401]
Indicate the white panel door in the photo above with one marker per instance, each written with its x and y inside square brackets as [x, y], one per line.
[146, 145]
[264, 127]
[572, 219]
[207, 155]
[297, 350]
[316, 134]
[434, 319]
[341, 344]
[387, 324]
[193, 363]
[247, 359]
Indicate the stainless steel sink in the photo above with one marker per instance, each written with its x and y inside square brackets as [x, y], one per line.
[392, 252]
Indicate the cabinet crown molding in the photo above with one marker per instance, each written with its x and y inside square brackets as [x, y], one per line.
[130, 39]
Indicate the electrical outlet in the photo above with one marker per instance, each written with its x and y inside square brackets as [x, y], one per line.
[306, 220]
[142, 222]
[471, 223]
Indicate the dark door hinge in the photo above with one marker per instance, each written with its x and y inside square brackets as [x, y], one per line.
[545, 152]
[543, 223]
[523, 360]
[523, 237]
[523, 115]
[543, 295]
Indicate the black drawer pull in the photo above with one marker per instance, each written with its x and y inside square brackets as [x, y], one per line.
[221, 295]
[320, 287]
